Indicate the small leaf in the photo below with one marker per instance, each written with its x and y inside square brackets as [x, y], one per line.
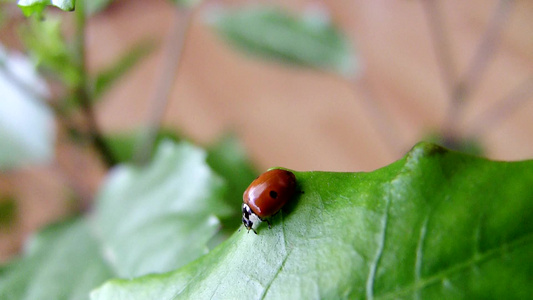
[8, 211]
[61, 262]
[187, 3]
[156, 219]
[434, 225]
[228, 159]
[123, 145]
[95, 6]
[50, 51]
[105, 79]
[27, 129]
[273, 33]
[30, 7]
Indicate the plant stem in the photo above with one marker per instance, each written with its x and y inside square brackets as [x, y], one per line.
[82, 92]
[171, 62]
[389, 133]
[484, 52]
[446, 62]
[504, 108]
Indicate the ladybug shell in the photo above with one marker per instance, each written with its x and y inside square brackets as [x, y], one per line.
[267, 194]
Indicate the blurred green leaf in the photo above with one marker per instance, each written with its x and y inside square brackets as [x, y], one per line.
[50, 51]
[95, 6]
[228, 159]
[273, 33]
[8, 211]
[105, 79]
[187, 3]
[27, 129]
[150, 219]
[156, 219]
[30, 7]
[434, 225]
[62, 262]
[123, 144]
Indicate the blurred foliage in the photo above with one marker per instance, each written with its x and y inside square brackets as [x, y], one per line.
[8, 211]
[27, 129]
[50, 51]
[156, 218]
[30, 7]
[107, 77]
[123, 145]
[274, 33]
[187, 3]
[226, 157]
[151, 219]
[62, 261]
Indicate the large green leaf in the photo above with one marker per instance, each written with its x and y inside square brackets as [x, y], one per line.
[155, 219]
[434, 225]
[62, 262]
[309, 40]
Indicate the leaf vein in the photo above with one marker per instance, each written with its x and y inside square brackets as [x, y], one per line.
[420, 251]
[373, 267]
[504, 247]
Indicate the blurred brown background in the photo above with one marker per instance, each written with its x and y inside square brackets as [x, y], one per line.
[290, 116]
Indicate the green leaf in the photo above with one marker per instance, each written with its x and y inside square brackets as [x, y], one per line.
[50, 51]
[434, 225]
[148, 219]
[61, 262]
[123, 144]
[187, 3]
[27, 128]
[158, 218]
[30, 7]
[95, 6]
[228, 159]
[105, 79]
[273, 33]
[8, 211]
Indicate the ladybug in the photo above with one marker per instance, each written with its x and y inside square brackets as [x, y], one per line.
[265, 196]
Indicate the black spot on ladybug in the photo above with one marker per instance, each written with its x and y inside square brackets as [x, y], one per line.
[273, 194]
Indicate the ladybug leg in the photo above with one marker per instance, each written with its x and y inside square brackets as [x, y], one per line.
[269, 224]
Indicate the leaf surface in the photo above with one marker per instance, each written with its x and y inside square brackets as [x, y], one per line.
[61, 262]
[435, 224]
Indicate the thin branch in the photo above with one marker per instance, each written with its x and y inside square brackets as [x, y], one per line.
[441, 45]
[446, 62]
[81, 91]
[376, 113]
[171, 62]
[484, 52]
[503, 109]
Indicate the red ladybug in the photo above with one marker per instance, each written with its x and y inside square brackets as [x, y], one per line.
[265, 196]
